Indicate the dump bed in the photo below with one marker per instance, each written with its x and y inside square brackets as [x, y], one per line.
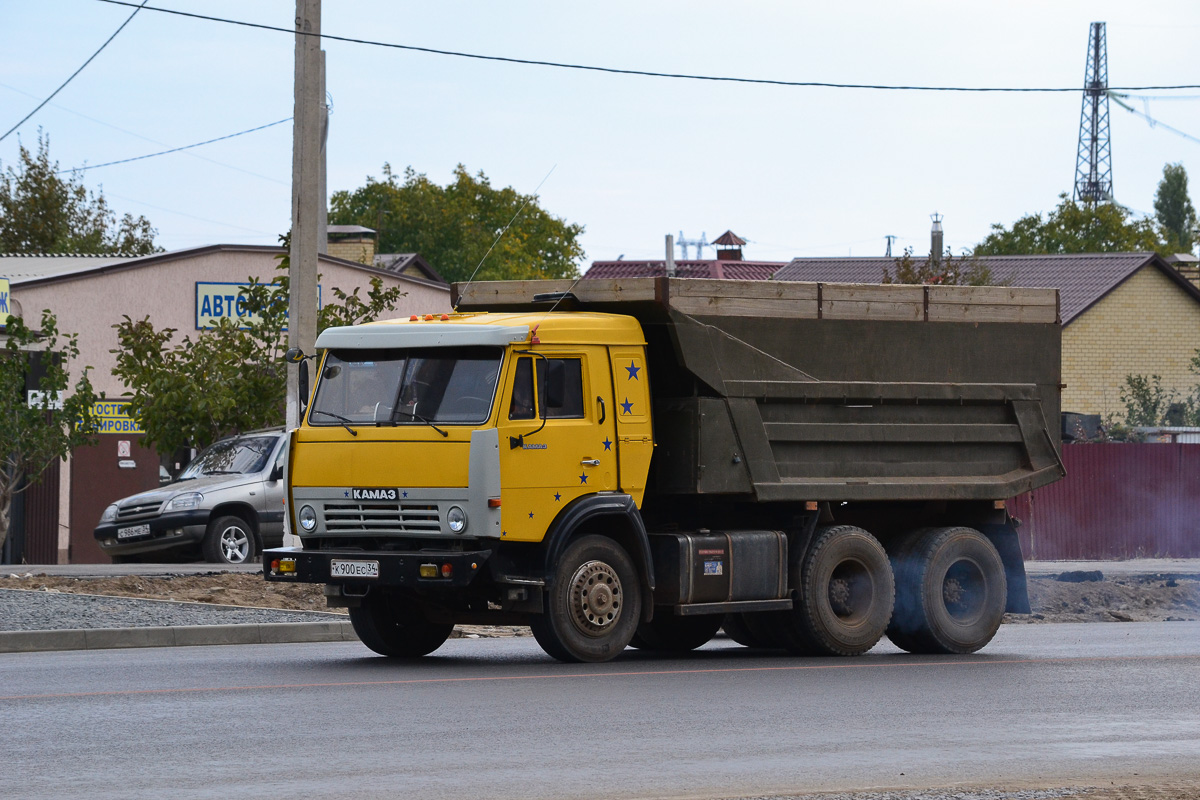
[790, 391]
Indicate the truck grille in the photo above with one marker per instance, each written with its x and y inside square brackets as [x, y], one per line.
[139, 511]
[382, 518]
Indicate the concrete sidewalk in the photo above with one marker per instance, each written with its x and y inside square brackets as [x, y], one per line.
[178, 636]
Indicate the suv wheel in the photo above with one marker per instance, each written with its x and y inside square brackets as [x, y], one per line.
[229, 540]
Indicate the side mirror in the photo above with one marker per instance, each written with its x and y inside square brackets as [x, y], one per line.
[294, 356]
[276, 473]
[303, 386]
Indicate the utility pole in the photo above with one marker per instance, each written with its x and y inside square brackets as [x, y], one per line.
[307, 127]
[306, 177]
[890, 238]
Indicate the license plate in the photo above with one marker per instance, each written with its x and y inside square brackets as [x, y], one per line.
[353, 569]
[133, 532]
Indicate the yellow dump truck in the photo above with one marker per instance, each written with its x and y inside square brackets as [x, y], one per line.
[641, 462]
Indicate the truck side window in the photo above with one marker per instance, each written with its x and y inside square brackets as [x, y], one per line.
[522, 396]
[560, 388]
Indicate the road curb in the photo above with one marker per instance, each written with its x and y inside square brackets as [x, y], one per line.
[178, 636]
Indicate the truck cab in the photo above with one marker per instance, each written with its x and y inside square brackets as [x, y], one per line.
[438, 452]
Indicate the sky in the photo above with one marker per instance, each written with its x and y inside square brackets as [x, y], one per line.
[796, 171]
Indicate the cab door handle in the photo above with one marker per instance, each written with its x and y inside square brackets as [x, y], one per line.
[590, 462]
[600, 400]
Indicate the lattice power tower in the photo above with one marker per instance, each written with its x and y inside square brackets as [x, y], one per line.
[1093, 164]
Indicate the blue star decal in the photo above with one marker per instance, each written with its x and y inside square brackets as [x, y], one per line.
[531, 515]
[583, 478]
[607, 444]
[557, 497]
[404, 494]
[347, 493]
[627, 407]
[633, 370]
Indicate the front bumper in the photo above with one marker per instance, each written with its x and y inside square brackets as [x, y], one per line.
[166, 531]
[395, 568]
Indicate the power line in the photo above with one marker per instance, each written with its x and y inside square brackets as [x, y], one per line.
[174, 149]
[147, 138]
[1116, 98]
[76, 72]
[642, 73]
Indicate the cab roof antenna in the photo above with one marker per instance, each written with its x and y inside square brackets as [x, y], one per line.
[500, 235]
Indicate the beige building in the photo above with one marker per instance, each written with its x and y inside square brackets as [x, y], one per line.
[1122, 314]
[182, 289]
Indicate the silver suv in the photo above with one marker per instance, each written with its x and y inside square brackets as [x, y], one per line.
[228, 504]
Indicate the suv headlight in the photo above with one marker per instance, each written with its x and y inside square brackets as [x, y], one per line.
[189, 500]
[109, 514]
[456, 519]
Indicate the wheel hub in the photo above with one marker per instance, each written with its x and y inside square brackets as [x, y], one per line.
[595, 598]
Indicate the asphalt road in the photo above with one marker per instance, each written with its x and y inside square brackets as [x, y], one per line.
[1044, 705]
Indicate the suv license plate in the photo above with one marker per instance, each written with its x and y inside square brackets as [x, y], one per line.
[353, 569]
[133, 532]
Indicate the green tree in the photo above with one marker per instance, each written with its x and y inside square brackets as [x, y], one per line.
[228, 379]
[43, 212]
[1174, 210]
[1074, 228]
[454, 227]
[950, 271]
[35, 432]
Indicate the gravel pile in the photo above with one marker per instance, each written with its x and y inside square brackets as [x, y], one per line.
[46, 611]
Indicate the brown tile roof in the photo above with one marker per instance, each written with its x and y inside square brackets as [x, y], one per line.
[729, 238]
[706, 268]
[1082, 279]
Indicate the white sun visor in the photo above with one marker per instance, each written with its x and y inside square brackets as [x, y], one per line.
[434, 334]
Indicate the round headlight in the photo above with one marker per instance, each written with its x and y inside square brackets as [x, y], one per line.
[308, 518]
[456, 519]
[109, 514]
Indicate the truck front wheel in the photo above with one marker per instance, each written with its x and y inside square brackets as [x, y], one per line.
[394, 626]
[845, 592]
[593, 603]
[950, 592]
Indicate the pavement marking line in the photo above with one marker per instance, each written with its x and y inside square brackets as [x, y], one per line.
[578, 675]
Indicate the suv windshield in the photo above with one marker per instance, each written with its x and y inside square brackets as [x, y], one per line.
[452, 385]
[242, 455]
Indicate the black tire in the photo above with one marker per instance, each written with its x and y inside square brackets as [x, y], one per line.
[393, 625]
[229, 540]
[899, 550]
[670, 633]
[951, 592]
[740, 628]
[844, 595]
[594, 603]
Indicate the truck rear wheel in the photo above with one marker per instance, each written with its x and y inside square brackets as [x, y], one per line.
[950, 592]
[593, 603]
[394, 626]
[672, 633]
[844, 597]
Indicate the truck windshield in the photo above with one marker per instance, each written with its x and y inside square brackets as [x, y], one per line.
[231, 457]
[451, 385]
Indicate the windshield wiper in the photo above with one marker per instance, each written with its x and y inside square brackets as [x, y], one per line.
[344, 420]
[422, 419]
